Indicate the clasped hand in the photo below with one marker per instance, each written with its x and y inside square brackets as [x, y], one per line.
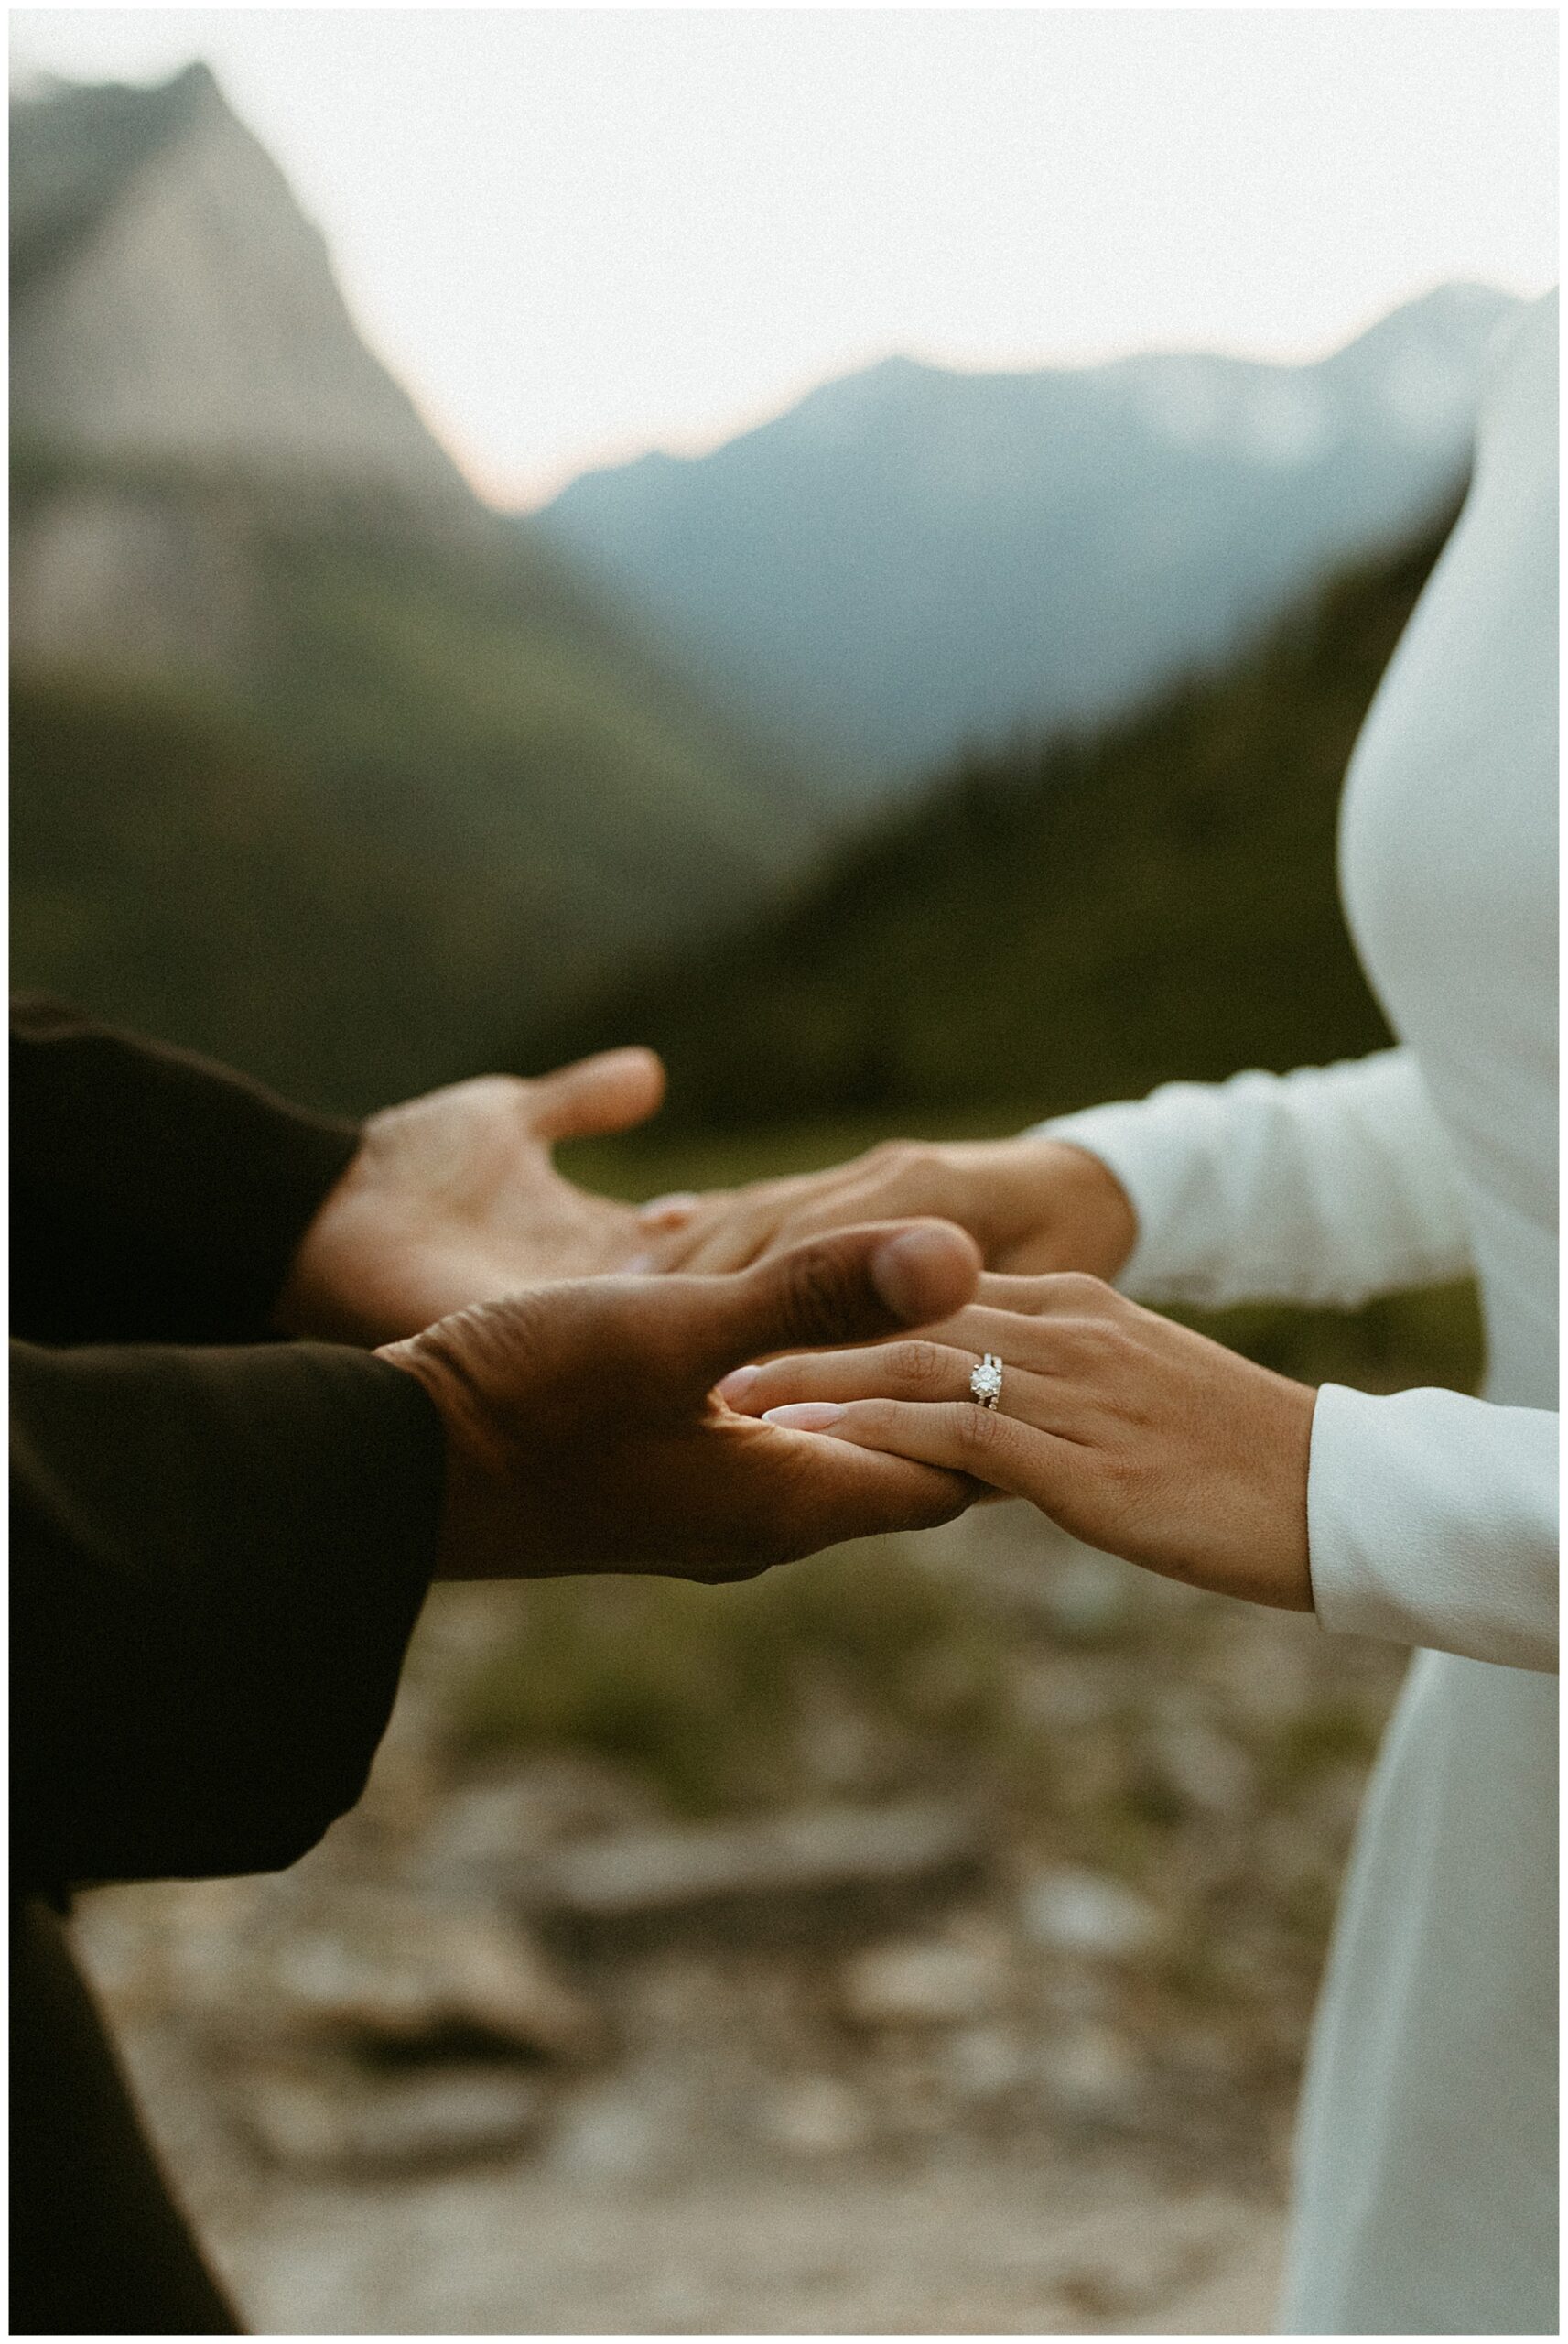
[581, 1432]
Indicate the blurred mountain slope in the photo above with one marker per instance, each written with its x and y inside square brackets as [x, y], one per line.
[912, 560]
[319, 763]
[1066, 921]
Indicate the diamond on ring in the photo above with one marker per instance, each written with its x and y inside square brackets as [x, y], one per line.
[985, 1383]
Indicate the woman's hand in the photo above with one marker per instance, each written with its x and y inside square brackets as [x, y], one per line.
[1136, 1434]
[1030, 1204]
[453, 1199]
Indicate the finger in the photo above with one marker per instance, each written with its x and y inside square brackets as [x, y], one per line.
[850, 1207]
[843, 1289]
[677, 1244]
[980, 1443]
[607, 1093]
[731, 1232]
[1051, 1292]
[916, 1368]
[745, 1227]
[1038, 1348]
[734, 1244]
[1046, 1344]
[834, 1490]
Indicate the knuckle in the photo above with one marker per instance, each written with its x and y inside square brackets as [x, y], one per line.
[981, 1431]
[1095, 1344]
[1082, 1291]
[1128, 1474]
[820, 1295]
[877, 1419]
[915, 1165]
[919, 1368]
[947, 1499]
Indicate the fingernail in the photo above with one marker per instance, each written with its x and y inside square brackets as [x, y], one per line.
[678, 1206]
[735, 1384]
[805, 1416]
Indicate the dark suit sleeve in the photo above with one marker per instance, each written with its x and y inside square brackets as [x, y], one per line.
[155, 1196]
[218, 1557]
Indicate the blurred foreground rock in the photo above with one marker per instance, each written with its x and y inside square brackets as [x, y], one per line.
[348, 2124]
[801, 1855]
[372, 1967]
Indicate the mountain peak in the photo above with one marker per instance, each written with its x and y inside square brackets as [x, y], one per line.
[75, 147]
[170, 302]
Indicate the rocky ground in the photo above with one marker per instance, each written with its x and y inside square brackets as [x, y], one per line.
[999, 2032]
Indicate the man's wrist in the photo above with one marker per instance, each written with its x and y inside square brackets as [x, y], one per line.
[480, 1533]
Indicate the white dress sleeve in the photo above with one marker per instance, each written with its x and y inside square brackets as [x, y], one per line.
[1431, 1517]
[1329, 1185]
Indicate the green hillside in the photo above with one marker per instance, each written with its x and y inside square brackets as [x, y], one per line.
[1062, 922]
[431, 796]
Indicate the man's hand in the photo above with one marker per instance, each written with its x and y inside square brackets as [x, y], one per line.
[453, 1199]
[583, 1433]
[1031, 1204]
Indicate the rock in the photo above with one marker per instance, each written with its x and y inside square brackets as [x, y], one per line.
[431, 2117]
[1085, 1913]
[640, 1872]
[817, 2116]
[372, 1964]
[932, 1984]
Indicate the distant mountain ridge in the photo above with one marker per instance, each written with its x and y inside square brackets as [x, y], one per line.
[912, 559]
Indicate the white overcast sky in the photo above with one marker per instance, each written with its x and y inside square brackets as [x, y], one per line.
[580, 232]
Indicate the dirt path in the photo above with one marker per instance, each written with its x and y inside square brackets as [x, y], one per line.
[981, 2249]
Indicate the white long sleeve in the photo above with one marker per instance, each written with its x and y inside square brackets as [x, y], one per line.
[1432, 1520]
[1328, 1185]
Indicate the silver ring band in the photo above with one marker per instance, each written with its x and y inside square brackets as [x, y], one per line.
[985, 1383]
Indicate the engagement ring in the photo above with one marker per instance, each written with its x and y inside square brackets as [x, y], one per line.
[985, 1383]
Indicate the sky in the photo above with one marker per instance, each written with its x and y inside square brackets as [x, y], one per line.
[580, 232]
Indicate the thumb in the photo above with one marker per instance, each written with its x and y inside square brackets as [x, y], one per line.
[850, 1288]
[607, 1093]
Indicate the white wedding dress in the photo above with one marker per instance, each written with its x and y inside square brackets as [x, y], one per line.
[1426, 2190]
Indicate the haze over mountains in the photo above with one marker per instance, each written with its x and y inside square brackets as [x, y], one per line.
[913, 559]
